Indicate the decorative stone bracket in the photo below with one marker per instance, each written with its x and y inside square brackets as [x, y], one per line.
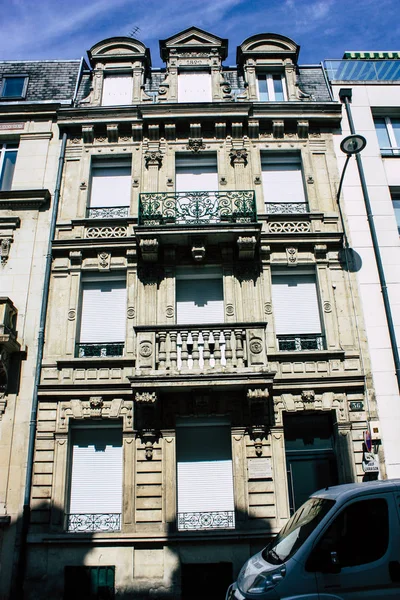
[149, 249]
[246, 247]
[256, 434]
[149, 437]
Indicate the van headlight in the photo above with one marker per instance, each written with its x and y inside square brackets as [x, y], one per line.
[264, 581]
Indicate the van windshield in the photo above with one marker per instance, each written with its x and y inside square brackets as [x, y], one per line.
[297, 530]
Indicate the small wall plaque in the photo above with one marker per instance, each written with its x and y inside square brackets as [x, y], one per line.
[260, 468]
[356, 406]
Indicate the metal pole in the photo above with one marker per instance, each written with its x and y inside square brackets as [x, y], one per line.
[382, 280]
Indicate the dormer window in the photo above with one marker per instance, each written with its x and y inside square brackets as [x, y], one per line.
[13, 86]
[271, 87]
[194, 86]
[117, 89]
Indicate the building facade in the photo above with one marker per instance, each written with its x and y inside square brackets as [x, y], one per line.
[371, 80]
[203, 366]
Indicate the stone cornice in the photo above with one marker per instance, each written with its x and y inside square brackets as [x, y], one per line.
[28, 199]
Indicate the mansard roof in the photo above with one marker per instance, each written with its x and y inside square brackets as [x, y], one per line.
[194, 39]
[117, 49]
[272, 45]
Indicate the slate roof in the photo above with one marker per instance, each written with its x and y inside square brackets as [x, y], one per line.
[311, 80]
[52, 80]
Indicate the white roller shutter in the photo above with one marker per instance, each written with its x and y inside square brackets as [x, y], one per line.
[204, 467]
[194, 86]
[295, 302]
[111, 184]
[282, 179]
[96, 471]
[117, 90]
[199, 301]
[103, 311]
[196, 174]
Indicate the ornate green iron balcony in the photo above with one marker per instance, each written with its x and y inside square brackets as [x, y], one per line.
[197, 208]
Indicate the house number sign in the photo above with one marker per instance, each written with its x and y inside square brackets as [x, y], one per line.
[260, 468]
[194, 61]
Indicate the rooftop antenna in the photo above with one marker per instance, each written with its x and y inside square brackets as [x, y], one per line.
[134, 31]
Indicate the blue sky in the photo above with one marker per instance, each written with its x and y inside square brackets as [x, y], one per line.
[60, 29]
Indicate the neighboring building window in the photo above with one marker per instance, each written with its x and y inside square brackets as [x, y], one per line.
[204, 474]
[194, 86]
[283, 184]
[117, 90]
[14, 86]
[271, 87]
[8, 157]
[388, 132]
[95, 499]
[103, 314]
[89, 583]
[396, 206]
[296, 311]
[200, 300]
[110, 190]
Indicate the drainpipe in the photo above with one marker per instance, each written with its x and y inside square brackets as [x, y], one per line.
[345, 95]
[26, 511]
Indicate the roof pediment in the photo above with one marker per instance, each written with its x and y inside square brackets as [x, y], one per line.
[268, 45]
[118, 48]
[195, 39]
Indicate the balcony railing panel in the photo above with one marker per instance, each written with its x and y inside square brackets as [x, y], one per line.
[78, 523]
[215, 347]
[295, 343]
[286, 208]
[197, 208]
[195, 521]
[108, 212]
[99, 349]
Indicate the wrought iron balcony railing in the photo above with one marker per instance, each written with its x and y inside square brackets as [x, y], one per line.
[311, 341]
[108, 212]
[197, 208]
[99, 349]
[195, 521]
[77, 523]
[286, 208]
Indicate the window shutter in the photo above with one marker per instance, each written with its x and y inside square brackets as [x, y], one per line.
[199, 301]
[194, 86]
[96, 472]
[103, 311]
[196, 174]
[204, 470]
[117, 90]
[282, 179]
[111, 185]
[295, 301]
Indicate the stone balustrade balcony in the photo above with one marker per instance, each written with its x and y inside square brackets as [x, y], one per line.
[193, 349]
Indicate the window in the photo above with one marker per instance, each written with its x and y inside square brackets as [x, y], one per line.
[204, 474]
[8, 157]
[200, 300]
[195, 175]
[95, 499]
[271, 87]
[14, 86]
[283, 184]
[110, 190]
[102, 323]
[194, 86]
[89, 583]
[353, 541]
[296, 311]
[388, 132]
[117, 90]
[396, 206]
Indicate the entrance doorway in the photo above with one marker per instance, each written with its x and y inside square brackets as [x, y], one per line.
[310, 456]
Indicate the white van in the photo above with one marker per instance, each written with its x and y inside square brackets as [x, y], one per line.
[343, 543]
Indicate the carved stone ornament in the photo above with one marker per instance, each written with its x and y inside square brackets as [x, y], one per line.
[151, 275]
[247, 271]
[289, 227]
[291, 255]
[169, 312]
[256, 346]
[198, 249]
[153, 158]
[257, 433]
[145, 349]
[88, 134]
[268, 308]
[320, 250]
[72, 314]
[106, 232]
[104, 259]
[96, 404]
[146, 397]
[5, 245]
[230, 311]
[308, 396]
[149, 249]
[130, 313]
[327, 307]
[258, 394]
[238, 155]
[75, 257]
[149, 437]
[195, 144]
[95, 407]
[247, 247]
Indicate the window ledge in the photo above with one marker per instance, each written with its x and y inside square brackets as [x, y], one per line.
[29, 199]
